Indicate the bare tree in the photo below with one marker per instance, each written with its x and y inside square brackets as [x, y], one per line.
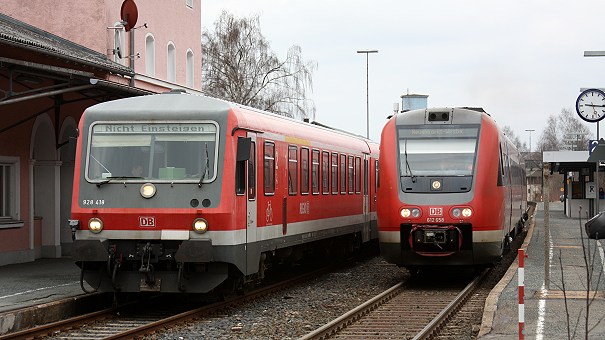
[521, 146]
[564, 130]
[239, 66]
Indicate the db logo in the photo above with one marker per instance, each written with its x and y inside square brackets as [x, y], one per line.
[435, 211]
[146, 221]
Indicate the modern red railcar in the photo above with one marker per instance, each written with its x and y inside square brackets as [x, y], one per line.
[184, 193]
[452, 189]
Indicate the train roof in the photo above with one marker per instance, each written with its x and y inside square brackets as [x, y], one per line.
[162, 107]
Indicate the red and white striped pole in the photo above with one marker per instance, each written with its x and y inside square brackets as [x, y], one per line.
[521, 275]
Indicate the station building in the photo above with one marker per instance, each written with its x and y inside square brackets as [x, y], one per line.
[56, 59]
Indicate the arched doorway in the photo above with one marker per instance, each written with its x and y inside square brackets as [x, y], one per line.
[46, 191]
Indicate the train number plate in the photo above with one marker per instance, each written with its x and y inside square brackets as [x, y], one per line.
[435, 211]
[147, 221]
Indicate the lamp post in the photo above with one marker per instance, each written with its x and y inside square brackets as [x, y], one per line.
[530, 131]
[367, 53]
[529, 160]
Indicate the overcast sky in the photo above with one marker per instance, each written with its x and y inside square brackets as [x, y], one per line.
[519, 60]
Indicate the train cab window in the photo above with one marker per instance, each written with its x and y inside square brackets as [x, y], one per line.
[269, 169]
[357, 175]
[334, 174]
[325, 178]
[315, 172]
[252, 172]
[292, 169]
[304, 171]
[343, 174]
[166, 152]
[452, 154]
[350, 174]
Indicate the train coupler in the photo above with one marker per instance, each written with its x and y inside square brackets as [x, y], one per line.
[146, 266]
[435, 240]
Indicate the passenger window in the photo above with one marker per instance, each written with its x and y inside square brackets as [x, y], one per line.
[304, 171]
[325, 166]
[315, 171]
[335, 173]
[252, 172]
[269, 169]
[343, 174]
[350, 174]
[292, 170]
[357, 175]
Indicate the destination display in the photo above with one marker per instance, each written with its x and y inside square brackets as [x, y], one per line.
[154, 128]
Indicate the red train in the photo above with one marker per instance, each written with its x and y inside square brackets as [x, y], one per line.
[184, 193]
[452, 189]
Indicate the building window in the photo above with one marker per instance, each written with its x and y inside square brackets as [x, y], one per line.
[292, 169]
[269, 169]
[9, 196]
[189, 72]
[150, 56]
[189, 3]
[171, 63]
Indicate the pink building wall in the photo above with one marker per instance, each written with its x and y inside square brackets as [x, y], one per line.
[86, 22]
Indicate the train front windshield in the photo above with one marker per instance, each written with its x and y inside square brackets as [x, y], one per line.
[150, 151]
[442, 151]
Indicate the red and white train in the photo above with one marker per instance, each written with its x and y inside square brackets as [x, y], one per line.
[183, 193]
[452, 189]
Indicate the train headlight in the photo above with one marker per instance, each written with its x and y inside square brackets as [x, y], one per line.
[456, 212]
[95, 225]
[407, 212]
[148, 190]
[467, 212]
[436, 184]
[415, 212]
[200, 225]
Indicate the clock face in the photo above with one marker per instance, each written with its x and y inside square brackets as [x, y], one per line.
[590, 105]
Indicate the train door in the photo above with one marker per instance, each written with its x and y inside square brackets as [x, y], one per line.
[251, 205]
[366, 201]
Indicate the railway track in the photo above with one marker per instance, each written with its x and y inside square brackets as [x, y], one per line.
[147, 317]
[404, 311]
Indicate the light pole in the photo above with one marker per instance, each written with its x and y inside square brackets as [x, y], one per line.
[530, 131]
[531, 167]
[367, 52]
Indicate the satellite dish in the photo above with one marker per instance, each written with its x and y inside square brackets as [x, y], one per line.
[129, 14]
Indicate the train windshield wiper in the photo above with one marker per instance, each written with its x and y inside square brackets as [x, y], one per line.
[407, 164]
[205, 172]
[111, 178]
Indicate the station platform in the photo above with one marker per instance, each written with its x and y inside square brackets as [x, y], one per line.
[555, 284]
[51, 287]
